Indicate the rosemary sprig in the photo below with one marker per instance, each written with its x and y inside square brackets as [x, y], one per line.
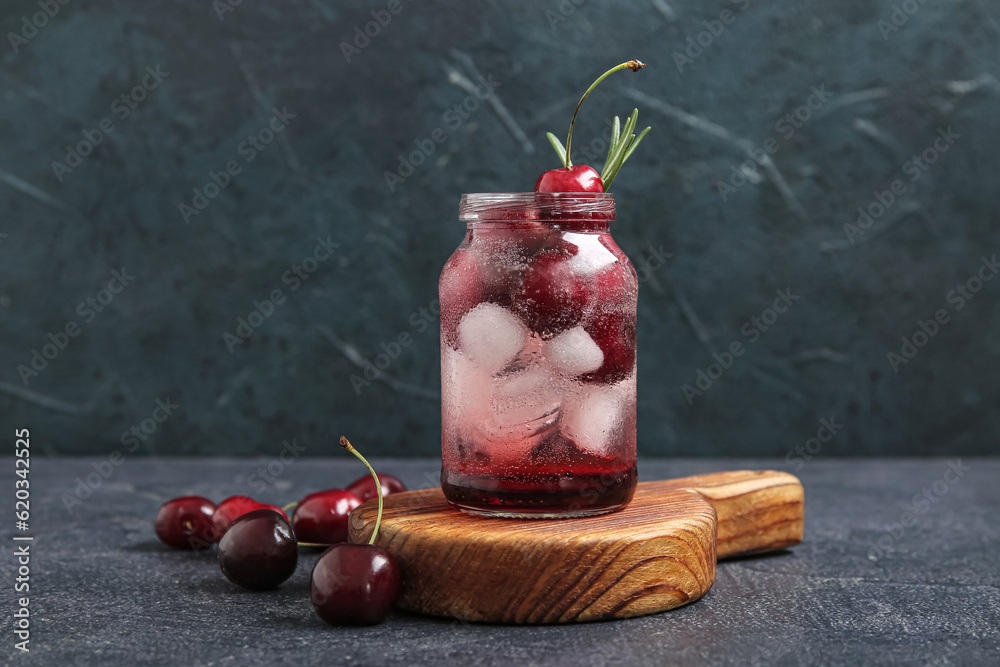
[622, 146]
[623, 140]
[556, 144]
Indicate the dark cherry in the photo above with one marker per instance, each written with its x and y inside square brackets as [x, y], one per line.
[355, 584]
[612, 284]
[462, 283]
[552, 296]
[364, 487]
[259, 551]
[578, 178]
[232, 508]
[615, 335]
[186, 523]
[321, 518]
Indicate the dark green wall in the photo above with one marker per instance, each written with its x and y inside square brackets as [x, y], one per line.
[883, 96]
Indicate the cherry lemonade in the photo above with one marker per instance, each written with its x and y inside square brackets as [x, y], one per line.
[538, 353]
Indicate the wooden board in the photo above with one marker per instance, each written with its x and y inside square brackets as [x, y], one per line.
[656, 554]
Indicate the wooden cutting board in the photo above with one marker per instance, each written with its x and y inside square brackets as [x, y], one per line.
[656, 554]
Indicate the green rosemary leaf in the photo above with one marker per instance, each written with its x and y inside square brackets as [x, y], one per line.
[628, 152]
[611, 176]
[613, 146]
[630, 124]
[615, 159]
[556, 144]
[635, 143]
[628, 144]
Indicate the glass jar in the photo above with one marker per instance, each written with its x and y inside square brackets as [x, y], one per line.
[538, 400]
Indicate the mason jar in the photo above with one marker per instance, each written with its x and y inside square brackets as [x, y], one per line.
[538, 357]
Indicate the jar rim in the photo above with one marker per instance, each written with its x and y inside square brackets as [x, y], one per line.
[514, 206]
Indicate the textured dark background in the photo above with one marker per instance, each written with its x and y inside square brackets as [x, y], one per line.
[324, 177]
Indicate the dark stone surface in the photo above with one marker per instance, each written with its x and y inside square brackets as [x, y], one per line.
[324, 177]
[104, 591]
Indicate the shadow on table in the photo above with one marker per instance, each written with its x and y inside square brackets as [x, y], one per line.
[759, 557]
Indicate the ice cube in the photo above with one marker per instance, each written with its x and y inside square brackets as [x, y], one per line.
[595, 416]
[591, 262]
[592, 258]
[490, 336]
[528, 400]
[487, 422]
[466, 386]
[574, 352]
[465, 392]
[525, 409]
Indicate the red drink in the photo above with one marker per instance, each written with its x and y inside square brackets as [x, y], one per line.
[538, 308]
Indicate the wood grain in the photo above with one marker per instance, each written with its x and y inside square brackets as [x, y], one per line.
[758, 510]
[656, 554]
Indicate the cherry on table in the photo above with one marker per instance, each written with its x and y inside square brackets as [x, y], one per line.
[232, 508]
[355, 584]
[364, 487]
[186, 523]
[259, 551]
[321, 518]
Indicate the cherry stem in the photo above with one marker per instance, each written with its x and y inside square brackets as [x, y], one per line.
[634, 65]
[346, 444]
